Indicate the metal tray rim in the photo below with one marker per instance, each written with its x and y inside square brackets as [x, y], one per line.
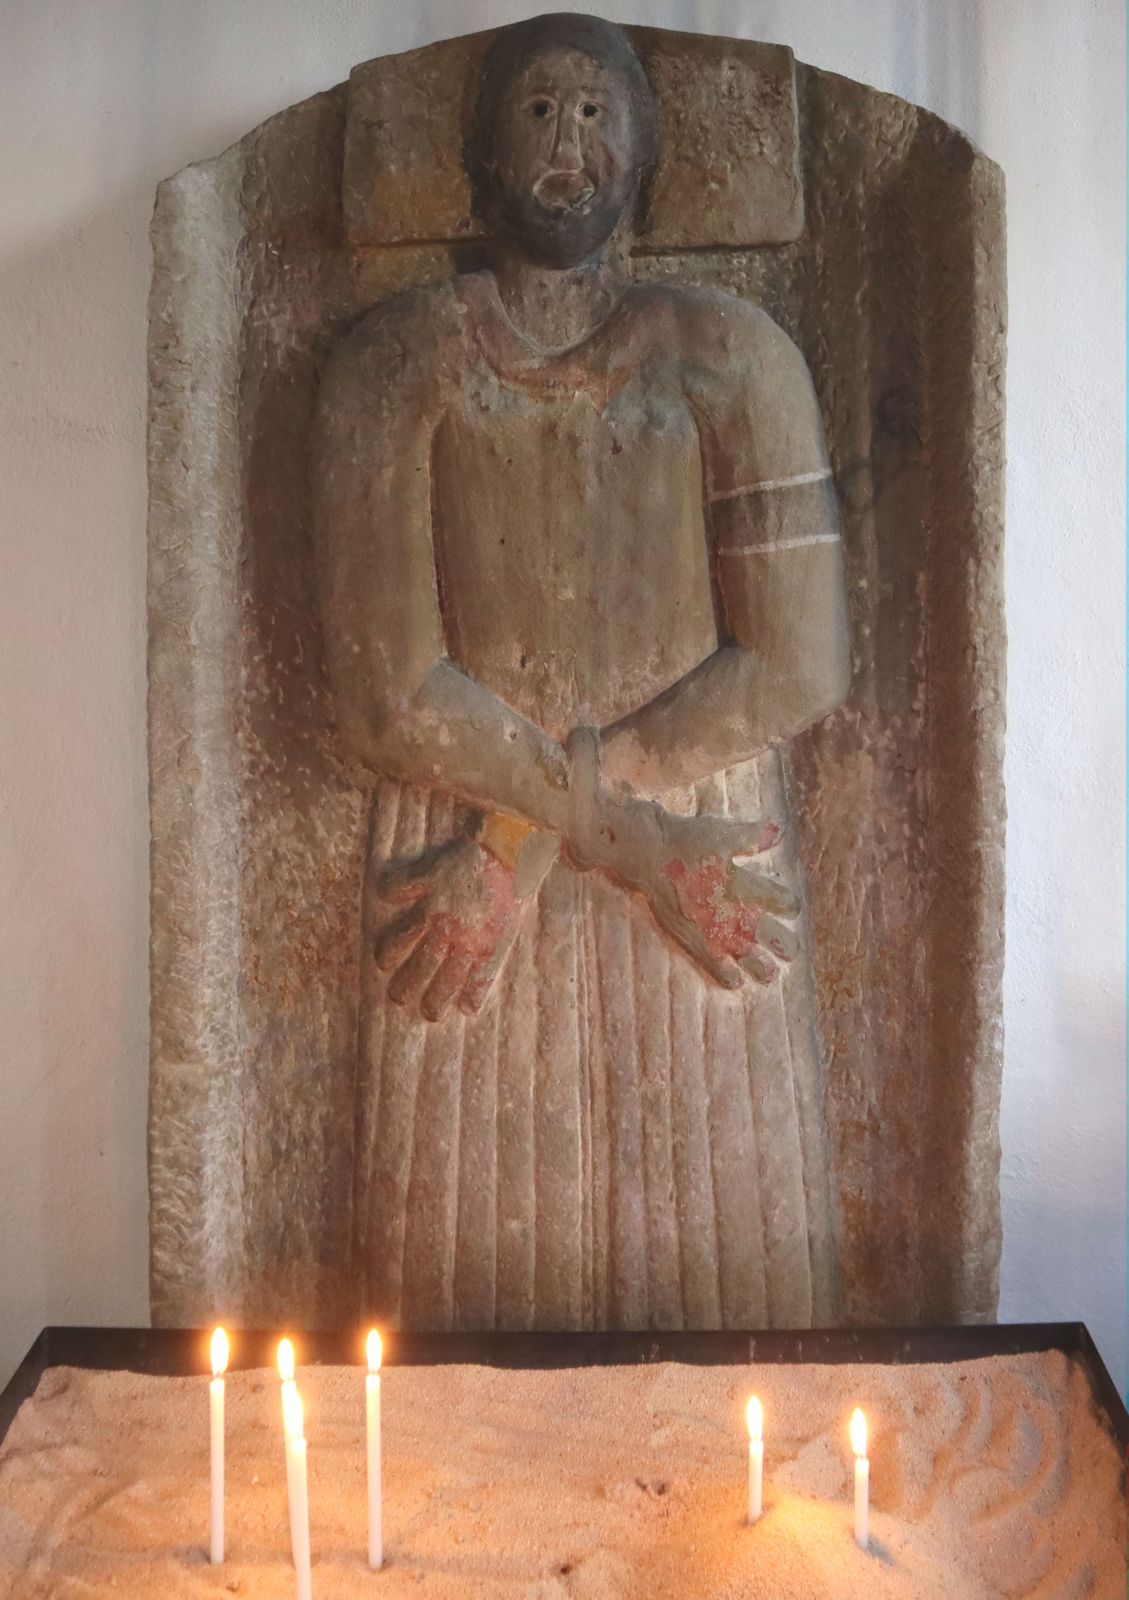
[182, 1351]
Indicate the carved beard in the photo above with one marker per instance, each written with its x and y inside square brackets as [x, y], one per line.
[562, 236]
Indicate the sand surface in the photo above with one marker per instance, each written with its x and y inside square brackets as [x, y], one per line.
[989, 1478]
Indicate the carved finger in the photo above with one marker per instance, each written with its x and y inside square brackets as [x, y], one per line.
[400, 937]
[737, 836]
[405, 881]
[719, 968]
[759, 967]
[481, 980]
[445, 985]
[535, 858]
[778, 937]
[413, 978]
[757, 888]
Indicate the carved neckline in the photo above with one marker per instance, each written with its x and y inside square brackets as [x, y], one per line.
[514, 355]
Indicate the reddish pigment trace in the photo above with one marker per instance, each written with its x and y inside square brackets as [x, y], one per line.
[727, 924]
[478, 932]
[487, 941]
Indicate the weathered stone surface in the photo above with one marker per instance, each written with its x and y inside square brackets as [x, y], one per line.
[264, 824]
[728, 175]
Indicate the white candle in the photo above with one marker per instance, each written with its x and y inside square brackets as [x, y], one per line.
[862, 1480]
[754, 1418]
[286, 1373]
[219, 1367]
[291, 1419]
[372, 1439]
[297, 1489]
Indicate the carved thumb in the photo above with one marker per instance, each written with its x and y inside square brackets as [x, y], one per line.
[583, 752]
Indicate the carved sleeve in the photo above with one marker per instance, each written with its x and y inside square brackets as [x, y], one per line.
[402, 707]
[773, 522]
[377, 409]
[783, 659]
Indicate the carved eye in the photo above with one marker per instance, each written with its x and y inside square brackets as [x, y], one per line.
[540, 108]
[589, 109]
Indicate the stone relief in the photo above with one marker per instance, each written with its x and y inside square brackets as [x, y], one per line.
[582, 922]
[581, 571]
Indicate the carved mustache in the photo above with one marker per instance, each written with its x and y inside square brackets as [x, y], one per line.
[563, 189]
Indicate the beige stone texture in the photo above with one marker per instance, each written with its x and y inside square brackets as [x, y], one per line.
[263, 820]
[729, 172]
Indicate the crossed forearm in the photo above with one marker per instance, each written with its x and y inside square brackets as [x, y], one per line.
[455, 735]
[724, 711]
[787, 667]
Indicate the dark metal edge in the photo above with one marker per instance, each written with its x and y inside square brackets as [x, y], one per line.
[23, 1381]
[1107, 1396]
[184, 1351]
[173, 1352]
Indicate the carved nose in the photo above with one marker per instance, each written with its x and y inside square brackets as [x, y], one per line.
[566, 156]
[561, 190]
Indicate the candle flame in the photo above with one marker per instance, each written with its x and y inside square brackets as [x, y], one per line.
[858, 1433]
[292, 1412]
[286, 1361]
[374, 1349]
[219, 1353]
[754, 1418]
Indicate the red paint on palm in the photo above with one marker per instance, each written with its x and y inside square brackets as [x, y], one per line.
[478, 933]
[727, 923]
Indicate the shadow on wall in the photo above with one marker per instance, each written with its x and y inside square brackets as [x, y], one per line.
[100, 105]
[1079, 1274]
[924, 51]
[1064, 1252]
[73, 845]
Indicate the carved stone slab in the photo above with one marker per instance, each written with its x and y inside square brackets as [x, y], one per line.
[894, 293]
[729, 173]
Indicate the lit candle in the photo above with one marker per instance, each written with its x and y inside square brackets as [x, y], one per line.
[297, 1488]
[754, 1417]
[285, 1371]
[862, 1480]
[219, 1367]
[372, 1436]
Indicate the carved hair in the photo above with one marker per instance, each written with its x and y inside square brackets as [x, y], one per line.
[602, 42]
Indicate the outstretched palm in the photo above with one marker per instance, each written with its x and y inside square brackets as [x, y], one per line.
[461, 916]
[463, 907]
[728, 916]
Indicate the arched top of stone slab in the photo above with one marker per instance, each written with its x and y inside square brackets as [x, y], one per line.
[873, 233]
[378, 159]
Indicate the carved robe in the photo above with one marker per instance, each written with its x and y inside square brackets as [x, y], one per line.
[614, 1141]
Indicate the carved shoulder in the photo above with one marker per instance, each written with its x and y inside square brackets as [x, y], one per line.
[392, 356]
[371, 511]
[726, 339]
[750, 389]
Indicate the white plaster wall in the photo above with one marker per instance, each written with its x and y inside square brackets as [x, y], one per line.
[99, 99]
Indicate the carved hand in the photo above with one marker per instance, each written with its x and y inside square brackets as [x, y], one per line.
[464, 904]
[727, 916]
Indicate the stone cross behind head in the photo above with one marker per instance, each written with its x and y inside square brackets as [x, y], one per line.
[564, 141]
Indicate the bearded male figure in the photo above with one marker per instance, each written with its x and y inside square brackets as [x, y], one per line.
[580, 579]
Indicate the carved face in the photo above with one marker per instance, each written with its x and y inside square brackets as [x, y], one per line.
[566, 154]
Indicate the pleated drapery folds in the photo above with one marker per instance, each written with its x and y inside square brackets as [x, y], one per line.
[614, 1141]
